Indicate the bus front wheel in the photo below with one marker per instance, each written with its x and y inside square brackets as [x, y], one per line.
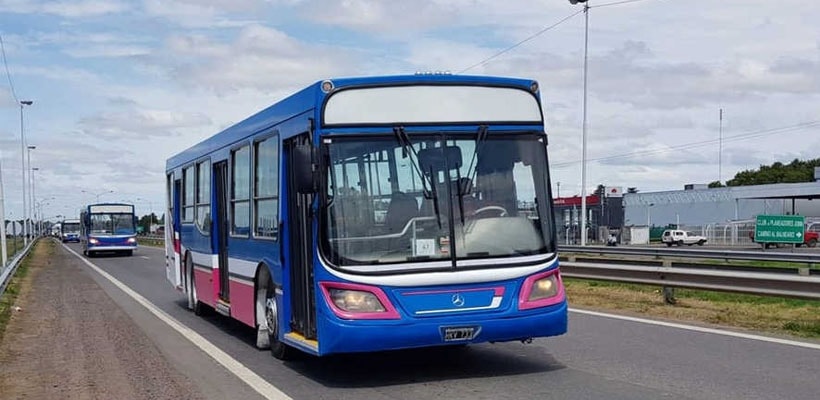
[278, 349]
[193, 300]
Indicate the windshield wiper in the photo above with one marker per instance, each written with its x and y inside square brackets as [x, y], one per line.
[406, 148]
[480, 140]
[464, 187]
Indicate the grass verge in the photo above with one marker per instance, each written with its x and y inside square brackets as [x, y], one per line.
[9, 297]
[142, 241]
[759, 313]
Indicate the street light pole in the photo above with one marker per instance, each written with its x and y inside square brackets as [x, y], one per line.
[23, 165]
[97, 195]
[3, 252]
[584, 126]
[31, 199]
[37, 213]
[720, 147]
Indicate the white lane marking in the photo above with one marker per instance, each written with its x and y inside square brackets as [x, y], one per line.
[145, 257]
[787, 342]
[253, 380]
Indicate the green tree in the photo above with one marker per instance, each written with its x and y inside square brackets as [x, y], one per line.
[146, 220]
[795, 171]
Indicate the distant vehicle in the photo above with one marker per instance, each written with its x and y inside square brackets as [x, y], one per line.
[681, 237]
[56, 230]
[70, 230]
[811, 236]
[108, 227]
[372, 214]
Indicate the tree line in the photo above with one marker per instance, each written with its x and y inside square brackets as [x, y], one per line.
[793, 172]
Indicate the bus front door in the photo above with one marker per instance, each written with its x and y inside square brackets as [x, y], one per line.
[299, 228]
[220, 232]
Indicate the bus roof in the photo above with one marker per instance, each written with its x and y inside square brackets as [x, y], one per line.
[312, 97]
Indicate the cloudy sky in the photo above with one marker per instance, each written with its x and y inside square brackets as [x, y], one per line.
[118, 86]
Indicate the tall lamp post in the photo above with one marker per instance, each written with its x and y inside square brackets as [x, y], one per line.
[3, 254]
[97, 195]
[584, 127]
[38, 213]
[23, 165]
[31, 198]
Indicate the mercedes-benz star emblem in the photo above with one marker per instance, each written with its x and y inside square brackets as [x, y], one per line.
[458, 300]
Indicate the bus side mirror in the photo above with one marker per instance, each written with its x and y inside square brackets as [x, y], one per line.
[303, 169]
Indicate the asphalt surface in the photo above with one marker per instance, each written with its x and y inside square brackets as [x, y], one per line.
[600, 358]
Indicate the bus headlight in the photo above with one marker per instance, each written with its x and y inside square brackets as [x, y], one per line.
[93, 241]
[541, 290]
[352, 301]
[132, 240]
[356, 301]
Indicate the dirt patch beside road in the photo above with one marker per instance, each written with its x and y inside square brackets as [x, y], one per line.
[71, 341]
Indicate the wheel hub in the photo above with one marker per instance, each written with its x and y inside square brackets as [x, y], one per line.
[271, 314]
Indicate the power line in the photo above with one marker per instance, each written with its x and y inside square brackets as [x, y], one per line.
[615, 3]
[533, 36]
[542, 31]
[8, 74]
[686, 146]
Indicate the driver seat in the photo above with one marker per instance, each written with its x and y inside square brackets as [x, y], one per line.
[403, 207]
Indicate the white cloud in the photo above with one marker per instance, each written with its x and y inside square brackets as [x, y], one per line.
[173, 73]
[202, 14]
[140, 123]
[262, 58]
[67, 9]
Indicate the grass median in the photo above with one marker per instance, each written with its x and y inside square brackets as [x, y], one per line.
[758, 313]
[18, 285]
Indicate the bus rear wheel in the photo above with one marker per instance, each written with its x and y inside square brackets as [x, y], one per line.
[278, 349]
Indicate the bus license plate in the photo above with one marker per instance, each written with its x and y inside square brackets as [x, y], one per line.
[460, 333]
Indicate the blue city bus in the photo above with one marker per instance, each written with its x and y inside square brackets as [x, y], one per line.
[373, 213]
[70, 230]
[108, 227]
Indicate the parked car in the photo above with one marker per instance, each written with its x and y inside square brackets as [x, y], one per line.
[681, 237]
[811, 236]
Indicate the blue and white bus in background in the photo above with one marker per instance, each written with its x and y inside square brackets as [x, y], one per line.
[70, 230]
[374, 213]
[108, 227]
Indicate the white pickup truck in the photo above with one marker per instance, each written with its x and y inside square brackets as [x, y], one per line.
[679, 237]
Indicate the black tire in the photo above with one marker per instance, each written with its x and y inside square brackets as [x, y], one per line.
[812, 243]
[278, 349]
[668, 244]
[701, 242]
[129, 253]
[194, 304]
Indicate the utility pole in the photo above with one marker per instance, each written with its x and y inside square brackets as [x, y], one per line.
[720, 147]
[23, 168]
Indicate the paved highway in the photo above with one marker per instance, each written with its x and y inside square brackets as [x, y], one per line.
[600, 358]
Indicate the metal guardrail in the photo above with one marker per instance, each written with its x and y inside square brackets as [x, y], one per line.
[660, 252]
[759, 283]
[796, 282]
[8, 271]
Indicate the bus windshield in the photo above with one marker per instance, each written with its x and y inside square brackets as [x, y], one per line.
[71, 227]
[112, 224]
[393, 201]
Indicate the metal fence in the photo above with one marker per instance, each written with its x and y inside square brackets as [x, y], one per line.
[669, 268]
[7, 271]
[735, 233]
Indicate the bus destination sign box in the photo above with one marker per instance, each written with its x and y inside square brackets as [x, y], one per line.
[779, 229]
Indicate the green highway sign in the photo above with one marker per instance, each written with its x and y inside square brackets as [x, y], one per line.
[779, 229]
